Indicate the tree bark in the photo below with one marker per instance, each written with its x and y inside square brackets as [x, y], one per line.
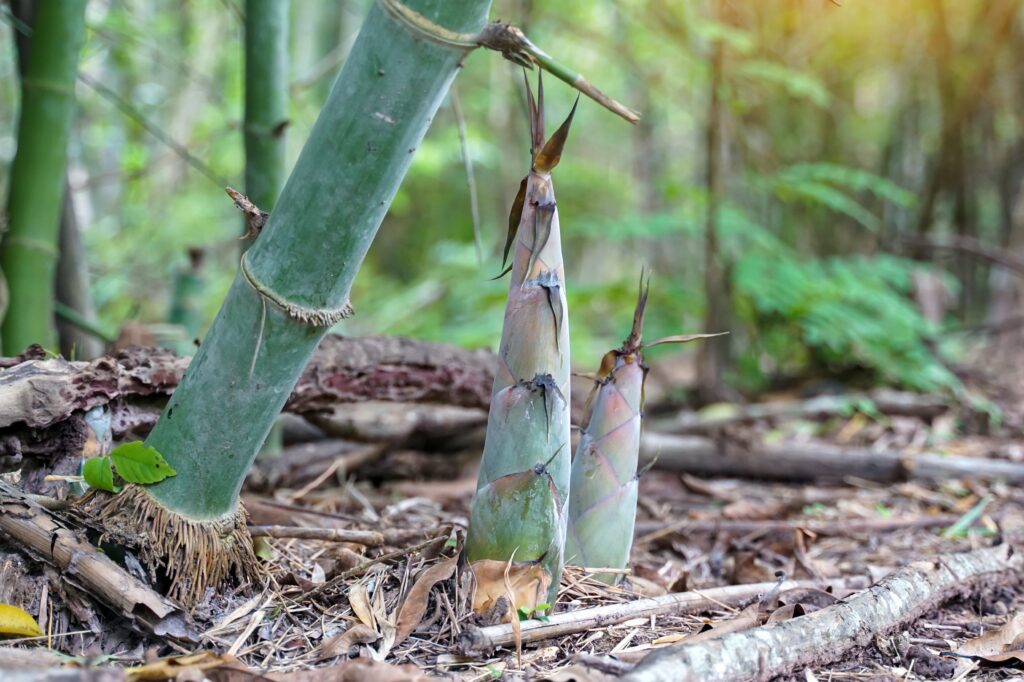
[825, 635]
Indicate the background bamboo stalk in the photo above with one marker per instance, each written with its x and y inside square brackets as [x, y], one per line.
[28, 256]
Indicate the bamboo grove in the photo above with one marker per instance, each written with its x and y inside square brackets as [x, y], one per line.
[175, 499]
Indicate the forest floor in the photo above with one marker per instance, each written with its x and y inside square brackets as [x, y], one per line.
[343, 611]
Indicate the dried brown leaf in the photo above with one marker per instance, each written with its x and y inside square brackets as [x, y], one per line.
[998, 645]
[360, 603]
[340, 644]
[410, 613]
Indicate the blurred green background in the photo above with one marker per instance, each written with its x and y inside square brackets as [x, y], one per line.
[856, 140]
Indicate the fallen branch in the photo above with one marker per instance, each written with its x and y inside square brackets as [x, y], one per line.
[370, 538]
[885, 401]
[651, 530]
[35, 530]
[825, 635]
[817, 462]
[481, 641]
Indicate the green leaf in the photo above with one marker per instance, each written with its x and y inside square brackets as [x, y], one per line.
[137, 462]
[98, 473]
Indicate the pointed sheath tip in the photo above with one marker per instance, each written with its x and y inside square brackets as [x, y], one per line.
[551, 154]
[632, 343]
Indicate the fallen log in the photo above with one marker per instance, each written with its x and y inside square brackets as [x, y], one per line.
[819, 462]
[481, 641]
[886, 401]
[651, 530]
[825, 635]
[37, 531]
[42, 399]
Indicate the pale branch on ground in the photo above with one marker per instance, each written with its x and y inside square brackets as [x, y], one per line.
[479, 641]
[370, 538]
[827, 634]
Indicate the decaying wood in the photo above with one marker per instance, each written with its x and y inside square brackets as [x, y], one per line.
[370, 538]
[886, 401]
[816, 462]
[42, 399]
[480, 641]
[825, 635]
[36, 530]
[654, 529]
[402, 423]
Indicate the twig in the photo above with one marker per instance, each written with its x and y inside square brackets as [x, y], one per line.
[511, 43]
[345, 463]
[825, 635]
[370, 538]
[359, 570]
[478, 641]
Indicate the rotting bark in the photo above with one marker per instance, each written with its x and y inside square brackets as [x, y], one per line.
[480, 641]
[819, 462]
[37, 531]
[403, 424]
[825, 635]
[41, 400]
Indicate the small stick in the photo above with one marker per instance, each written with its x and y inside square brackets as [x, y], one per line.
[479, 641]
[370, 538]
[356, 571]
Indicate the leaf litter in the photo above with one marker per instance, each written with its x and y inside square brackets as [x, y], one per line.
[336, 610]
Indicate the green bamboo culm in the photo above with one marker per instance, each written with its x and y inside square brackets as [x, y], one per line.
[28, 254]
[293, 285]
[266, 99]
[518, 513]
[295, 280]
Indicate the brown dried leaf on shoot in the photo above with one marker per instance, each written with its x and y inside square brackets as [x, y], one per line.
[528, 580]
[410, 613]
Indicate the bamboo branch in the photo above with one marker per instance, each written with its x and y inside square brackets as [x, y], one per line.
[512, 43]
[823, 636]
[480, 641]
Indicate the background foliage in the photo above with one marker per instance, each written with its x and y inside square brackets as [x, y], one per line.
[837, 121]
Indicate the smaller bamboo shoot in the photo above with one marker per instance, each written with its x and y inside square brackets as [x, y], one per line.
[604, 482]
